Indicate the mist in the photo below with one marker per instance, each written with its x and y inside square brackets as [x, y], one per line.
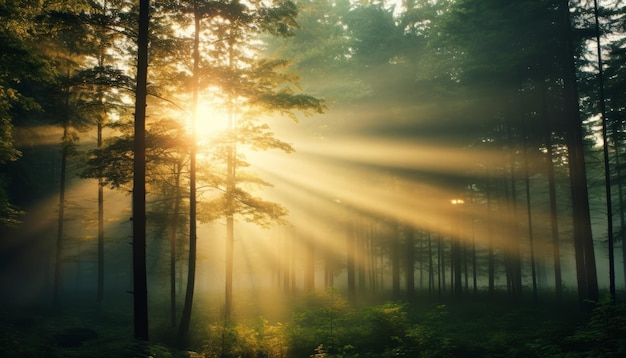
[372, 179]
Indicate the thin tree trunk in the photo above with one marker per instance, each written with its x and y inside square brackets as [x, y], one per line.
[395, 261]
[292, 263]
[441, 274]
[455, 242]
[456, 264]
[605, 151]
[100, 291]
[410, 263]
[422, 255]
[620, 195]
[287, 263]
[185, 320]
[350, 261]
[533, 271]
[554, 221]
[173, 235]
[230, 226]
[361, 266]
[490, 244]
[514, 263]
[465, 268]
[329, 274]
[140, 284]
[61, 218]
[309, 279]
[474, 268]
[228, 289]
[372, 259]
[231, 168]
[431, 273]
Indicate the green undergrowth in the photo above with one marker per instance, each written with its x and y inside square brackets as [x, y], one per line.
[326, 325]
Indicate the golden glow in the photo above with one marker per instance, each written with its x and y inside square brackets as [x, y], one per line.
[334, 180]
[339, 188]
[212, 119]
[399, 153]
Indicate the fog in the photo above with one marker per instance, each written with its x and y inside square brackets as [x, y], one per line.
[409, 169]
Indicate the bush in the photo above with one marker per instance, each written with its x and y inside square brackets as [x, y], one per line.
[257, 339]
[604, 335]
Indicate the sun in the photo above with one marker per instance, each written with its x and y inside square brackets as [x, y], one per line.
[212, 119]
[211, 115]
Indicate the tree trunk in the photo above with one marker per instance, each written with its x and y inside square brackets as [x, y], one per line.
[583, 240]
[231, 168]
[228, 289]
[554, 221]
[371, 252]
[61, 218]
[455, 257]
[309, 277]
[620, 195]
[410, 263]
[533, 272]
[441, 274]
[465, 268]
[185, 320]
[100, 290]
[395, 261]
[173, 235]
[350, 261]
[361, 255]
[329, 272]
[514, 263]
[287, 250]
[140, 285]
[490, 243]
[422, 260]
[605, 151]
[474, 268]
[431, 272]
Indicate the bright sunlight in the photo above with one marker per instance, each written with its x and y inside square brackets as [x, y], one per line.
[357, 178]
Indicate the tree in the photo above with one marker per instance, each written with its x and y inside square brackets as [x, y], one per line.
[410, 262]
[583, 239]
[245, 86]
[183, 332]
[102, 84]
[21, 62]
[251, 88]
[66, 105]
[140, 285]
[615, 113]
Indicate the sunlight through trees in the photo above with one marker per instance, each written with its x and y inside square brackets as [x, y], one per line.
[312, 178]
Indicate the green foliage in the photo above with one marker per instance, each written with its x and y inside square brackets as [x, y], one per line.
[258, 338]
[113, 163]
[325, 325]
[166, 143]
[605, 333]
[429, 338]
[334, 329]
[20, 63]
[33, 331]
[279, 19]
[10, 215]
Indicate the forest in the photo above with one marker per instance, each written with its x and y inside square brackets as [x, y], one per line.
[312, 178]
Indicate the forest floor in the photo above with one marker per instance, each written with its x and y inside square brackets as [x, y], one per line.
[325, 325]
